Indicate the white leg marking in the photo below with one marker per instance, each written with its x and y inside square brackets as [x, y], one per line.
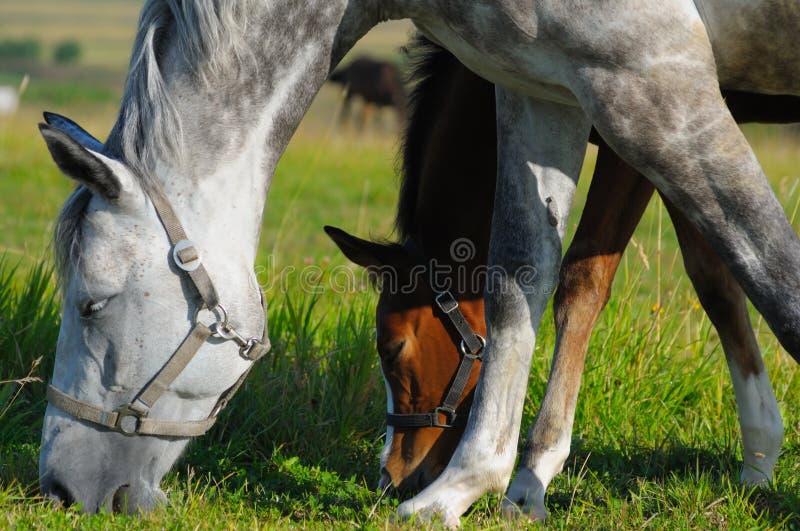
[761, 424]
[387, 445]
[530, 486]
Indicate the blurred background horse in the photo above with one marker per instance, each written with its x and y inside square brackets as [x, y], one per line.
[378, 84]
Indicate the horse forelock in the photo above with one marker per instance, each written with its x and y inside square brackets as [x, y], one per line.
[209, 36]
[431, 69]
[67, 234]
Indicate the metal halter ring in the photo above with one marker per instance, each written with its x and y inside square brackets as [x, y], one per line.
[463, 347]
[128, 420]
[220, 319]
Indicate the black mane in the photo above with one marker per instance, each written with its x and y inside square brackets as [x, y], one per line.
[430, 73]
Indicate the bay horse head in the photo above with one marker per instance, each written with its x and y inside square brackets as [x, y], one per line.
[429, 343]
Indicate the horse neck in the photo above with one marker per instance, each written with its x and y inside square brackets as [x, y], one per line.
[458, 173]
[236, 123]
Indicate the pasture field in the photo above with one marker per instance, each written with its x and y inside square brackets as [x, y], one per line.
[656, 440]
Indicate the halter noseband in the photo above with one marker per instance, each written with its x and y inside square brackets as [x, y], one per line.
[471, 347]
[131, 418]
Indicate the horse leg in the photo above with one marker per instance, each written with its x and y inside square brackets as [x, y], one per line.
[367, 113]
[726, 306]
[540, 151]
[617, 199]
[347, 104]
[666, 117]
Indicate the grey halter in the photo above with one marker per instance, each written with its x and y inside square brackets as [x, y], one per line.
[471, 348]
[131, 418]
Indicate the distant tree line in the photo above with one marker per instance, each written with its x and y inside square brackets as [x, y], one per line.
[30, 51]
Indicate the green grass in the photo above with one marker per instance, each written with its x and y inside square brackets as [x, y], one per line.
[656, 439]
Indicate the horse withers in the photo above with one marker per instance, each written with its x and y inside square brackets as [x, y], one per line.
[448, 153]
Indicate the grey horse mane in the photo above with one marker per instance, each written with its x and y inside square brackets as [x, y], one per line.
[209, 37]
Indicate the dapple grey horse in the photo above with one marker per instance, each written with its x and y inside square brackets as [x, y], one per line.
[215, 91]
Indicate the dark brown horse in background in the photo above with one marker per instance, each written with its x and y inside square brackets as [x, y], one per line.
[379, 84]
[447, 192]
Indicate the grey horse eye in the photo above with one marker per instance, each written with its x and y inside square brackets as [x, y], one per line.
[91, 307]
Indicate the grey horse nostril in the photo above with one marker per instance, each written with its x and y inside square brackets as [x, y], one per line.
[58, 494]
[119, 501]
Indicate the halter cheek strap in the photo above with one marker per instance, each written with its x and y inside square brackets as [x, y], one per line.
[471, 348]
[132, 418]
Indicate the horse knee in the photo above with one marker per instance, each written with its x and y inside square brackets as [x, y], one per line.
[584, 287]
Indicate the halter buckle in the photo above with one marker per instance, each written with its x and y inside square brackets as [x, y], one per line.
[446, 302]
[449, 415]
[188, 265]
[128, 420]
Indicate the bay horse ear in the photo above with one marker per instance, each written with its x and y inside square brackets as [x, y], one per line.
[364, 252]
[80, 163]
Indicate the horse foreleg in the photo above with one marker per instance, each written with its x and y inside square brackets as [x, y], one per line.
[617, 199]
[540, 152]
[347, 104]
[726, 306]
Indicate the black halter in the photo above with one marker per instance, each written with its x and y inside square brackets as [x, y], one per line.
[471, 348]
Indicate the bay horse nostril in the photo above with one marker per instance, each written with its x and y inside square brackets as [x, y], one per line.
[58, 494]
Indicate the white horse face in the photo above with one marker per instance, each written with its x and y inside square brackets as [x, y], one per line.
[126, 309]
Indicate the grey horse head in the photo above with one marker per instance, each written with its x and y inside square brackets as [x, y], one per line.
[215, 91]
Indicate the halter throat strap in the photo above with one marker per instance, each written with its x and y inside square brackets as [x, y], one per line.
[132, 418]
[471, 348]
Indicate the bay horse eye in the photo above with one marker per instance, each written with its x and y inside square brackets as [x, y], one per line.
[392, 349]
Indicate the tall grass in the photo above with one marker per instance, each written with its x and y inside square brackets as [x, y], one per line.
[656, 440]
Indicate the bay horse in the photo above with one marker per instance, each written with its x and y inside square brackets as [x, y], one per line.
[378, 83]
[162, 318]
[449, 160]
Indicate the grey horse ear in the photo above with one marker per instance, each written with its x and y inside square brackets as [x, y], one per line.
[77, 162]
[364, 252]
[77, 132]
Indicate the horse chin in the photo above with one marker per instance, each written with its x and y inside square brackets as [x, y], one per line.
[99, 470]
[136, 498]
[411, 479]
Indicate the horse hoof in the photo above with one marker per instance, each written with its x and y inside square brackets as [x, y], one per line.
[420, 514]
[520, 509]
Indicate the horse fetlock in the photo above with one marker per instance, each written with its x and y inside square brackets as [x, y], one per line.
[761, 446]
[415, 513]
[525, 497]
[447, 498]
[458, 487]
